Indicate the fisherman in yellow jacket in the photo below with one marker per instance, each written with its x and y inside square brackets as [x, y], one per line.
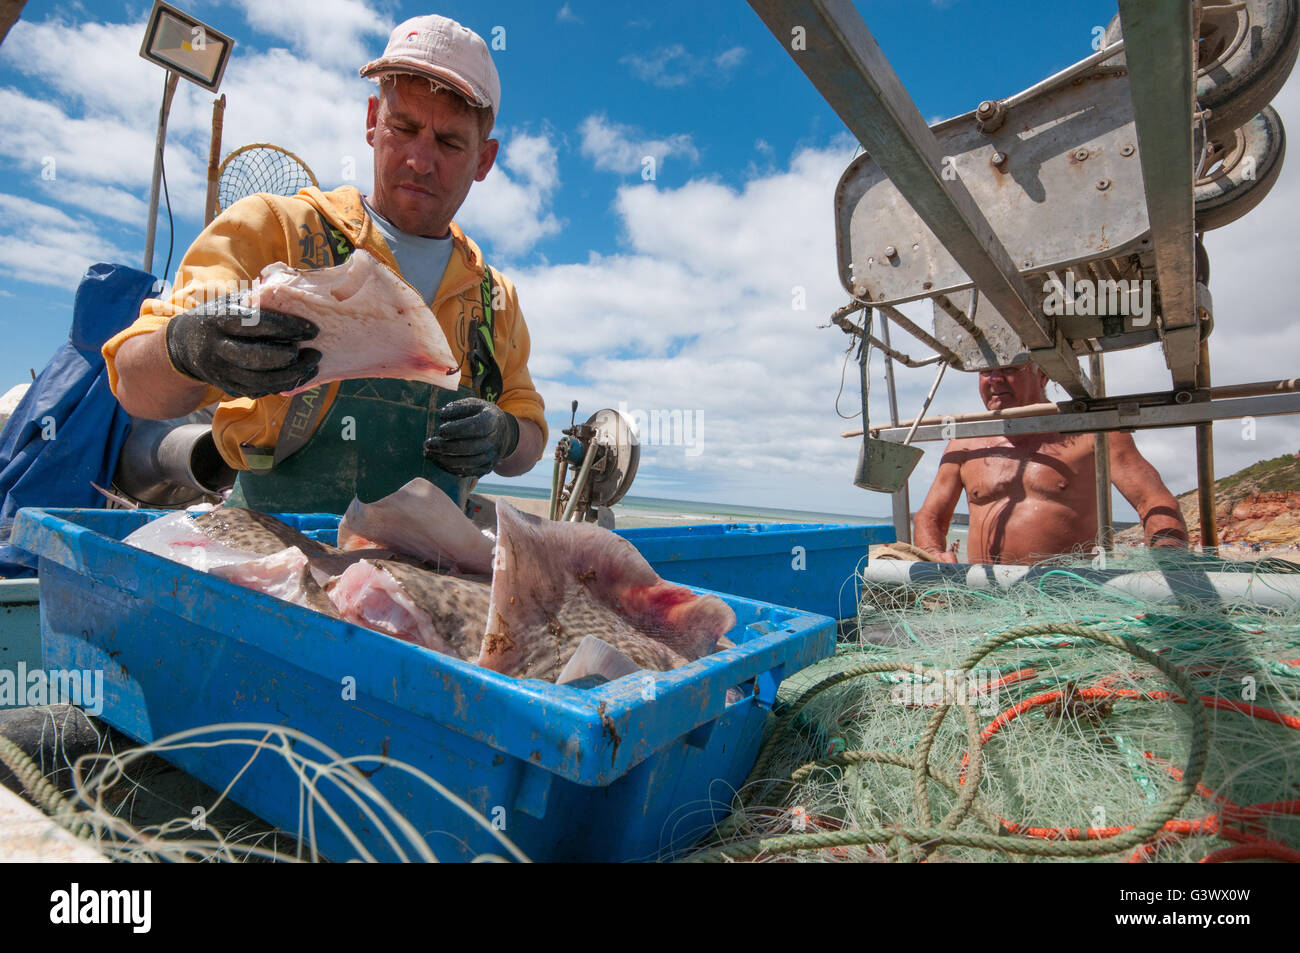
[429, 127]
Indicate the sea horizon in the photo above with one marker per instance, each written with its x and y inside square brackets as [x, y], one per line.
[632, 504]
[652, 510]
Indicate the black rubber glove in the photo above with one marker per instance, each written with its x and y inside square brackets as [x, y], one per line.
[244, 352]
[473, 437]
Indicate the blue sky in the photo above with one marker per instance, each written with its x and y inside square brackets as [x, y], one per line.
[669, 294]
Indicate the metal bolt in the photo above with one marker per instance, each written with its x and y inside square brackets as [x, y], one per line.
[985, 108]
[890, 251]
[859, 291]
[1026, 264]
[1126, 149]
[1183, 397]
[1081, 154]
[1103, 185]
[999, 158]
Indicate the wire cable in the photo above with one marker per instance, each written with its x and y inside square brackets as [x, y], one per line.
[171, 228]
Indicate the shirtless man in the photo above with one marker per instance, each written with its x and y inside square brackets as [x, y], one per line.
[1034, 495]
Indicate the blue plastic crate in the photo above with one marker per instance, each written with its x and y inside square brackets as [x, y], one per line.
[628, 771]
[20, 630]
[808, 566]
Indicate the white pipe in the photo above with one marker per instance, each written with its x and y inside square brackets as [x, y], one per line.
[1178, 586]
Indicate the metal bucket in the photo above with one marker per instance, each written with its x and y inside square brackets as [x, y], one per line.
[884, 466]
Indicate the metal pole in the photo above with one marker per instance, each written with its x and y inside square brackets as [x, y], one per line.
[10, 10]
[580, 482]
[1205, 462]
[926, 406]
[169, 87]
[1101, 460]
[1226, 392]
[901, 499]
[1118, 418]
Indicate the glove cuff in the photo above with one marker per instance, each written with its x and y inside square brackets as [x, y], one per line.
[175, 352]
[512, 438]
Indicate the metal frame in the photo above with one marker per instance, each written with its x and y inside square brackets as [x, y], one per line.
[1161, 81]
[1123, 416]
[842, 59]
[902, 501]
[848, 68]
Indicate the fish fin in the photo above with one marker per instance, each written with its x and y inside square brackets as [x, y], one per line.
[596, 657]
[419, 520]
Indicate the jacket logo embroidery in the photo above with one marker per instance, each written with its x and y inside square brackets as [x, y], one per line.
[314, 248]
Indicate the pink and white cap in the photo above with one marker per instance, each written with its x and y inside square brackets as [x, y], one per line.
[442, 50]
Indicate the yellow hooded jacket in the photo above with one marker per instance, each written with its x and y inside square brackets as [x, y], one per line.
[262, 229]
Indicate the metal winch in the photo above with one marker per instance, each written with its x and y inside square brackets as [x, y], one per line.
[603, 454]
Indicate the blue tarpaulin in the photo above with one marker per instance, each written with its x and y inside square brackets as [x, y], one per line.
[69, 428]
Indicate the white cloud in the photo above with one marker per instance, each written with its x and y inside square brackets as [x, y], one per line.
[39, 136]
[46, 246]
[97, 65]
[100, 134]
[698, 316]
[729, 59]
[511, 207]
[566, 15]
[331, 31]
[615, 147]
[105, 200]
[97, 135]
[767, 236]
[674, 65]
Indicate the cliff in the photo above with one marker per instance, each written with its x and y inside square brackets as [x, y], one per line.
[1258, 504]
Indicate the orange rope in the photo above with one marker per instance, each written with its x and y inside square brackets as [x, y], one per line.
[1175, 829]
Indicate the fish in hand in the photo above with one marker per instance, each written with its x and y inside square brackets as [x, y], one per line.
[370, 323]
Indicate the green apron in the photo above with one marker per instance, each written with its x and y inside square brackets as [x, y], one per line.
[371, 441]
[369, 444]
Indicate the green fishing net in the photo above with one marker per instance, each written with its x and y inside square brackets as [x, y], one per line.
[1067, 733]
